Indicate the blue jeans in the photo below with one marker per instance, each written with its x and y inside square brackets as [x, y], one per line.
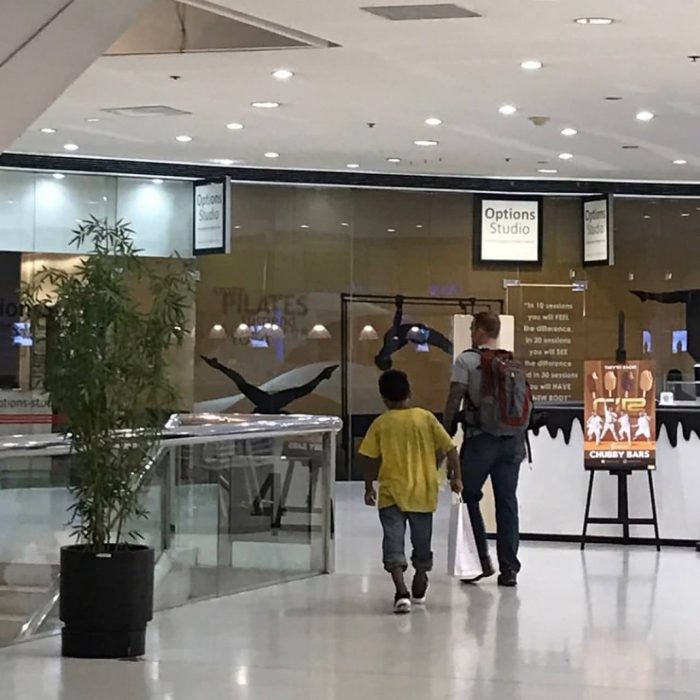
[394, 525]
[485, 456]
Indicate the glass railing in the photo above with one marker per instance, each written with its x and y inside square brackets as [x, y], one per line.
[235, 503]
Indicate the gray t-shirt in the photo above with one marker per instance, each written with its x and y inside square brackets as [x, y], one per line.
[467, 370]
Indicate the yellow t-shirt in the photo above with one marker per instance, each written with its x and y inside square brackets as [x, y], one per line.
[407, 441]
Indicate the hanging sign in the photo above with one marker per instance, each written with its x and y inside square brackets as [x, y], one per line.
[508, 230]
[619, 415]
[212, 229]
[598, 231]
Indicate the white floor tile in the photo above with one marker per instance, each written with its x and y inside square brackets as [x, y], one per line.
[610, 624]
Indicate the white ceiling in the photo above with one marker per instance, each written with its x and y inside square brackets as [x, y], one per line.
[396, 74]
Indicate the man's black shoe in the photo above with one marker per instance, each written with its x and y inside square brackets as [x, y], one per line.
[486, 571]
[508, 579]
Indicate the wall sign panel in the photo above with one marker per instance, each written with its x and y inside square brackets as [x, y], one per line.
[508, 230]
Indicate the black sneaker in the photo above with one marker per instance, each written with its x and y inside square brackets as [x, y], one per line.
[509, 579]
[487, 570]
[419, 589]
[402, 604]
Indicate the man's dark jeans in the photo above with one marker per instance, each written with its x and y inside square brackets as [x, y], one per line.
[485, 456]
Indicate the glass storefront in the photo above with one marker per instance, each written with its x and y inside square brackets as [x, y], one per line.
[38, 213]
[269, 314]
[296, 249]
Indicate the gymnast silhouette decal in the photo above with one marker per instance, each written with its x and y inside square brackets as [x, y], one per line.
[691, 299]
[400, 334]
[270, 402]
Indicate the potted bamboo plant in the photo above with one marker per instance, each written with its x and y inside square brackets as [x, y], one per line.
[107, 377]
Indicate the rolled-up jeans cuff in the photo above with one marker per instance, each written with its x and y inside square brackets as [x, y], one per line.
[422, 565]
[392, 564]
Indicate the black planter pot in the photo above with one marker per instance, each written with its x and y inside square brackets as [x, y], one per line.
[106, 602]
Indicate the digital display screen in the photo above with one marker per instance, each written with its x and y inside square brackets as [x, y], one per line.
[22, 335]
[680, 342]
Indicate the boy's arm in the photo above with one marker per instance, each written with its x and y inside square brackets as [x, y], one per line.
[371, 453]
[447, 447]
[372, 465]
[454, 471]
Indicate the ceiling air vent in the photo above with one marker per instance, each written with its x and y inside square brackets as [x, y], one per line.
[399, 13]
[146, 111]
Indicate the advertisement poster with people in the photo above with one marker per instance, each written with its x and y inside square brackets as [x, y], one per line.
[619, 415]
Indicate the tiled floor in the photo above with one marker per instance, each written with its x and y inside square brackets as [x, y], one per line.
[607, 625]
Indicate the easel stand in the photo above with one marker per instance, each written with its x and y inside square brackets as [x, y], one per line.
[623, 514]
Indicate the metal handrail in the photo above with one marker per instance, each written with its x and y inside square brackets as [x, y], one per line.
[181, 429]
[187, 429]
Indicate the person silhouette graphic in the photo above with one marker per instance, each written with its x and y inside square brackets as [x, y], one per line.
[401, 334]
[265, 402]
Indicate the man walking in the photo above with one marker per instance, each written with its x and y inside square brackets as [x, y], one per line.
[492, 447]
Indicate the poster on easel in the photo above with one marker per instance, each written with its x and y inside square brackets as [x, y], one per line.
[619, 415]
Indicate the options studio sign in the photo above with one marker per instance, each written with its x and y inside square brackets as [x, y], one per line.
[597, 231]
[211, 217]
[508, 230]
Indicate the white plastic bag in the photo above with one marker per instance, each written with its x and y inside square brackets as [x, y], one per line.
[462, 556]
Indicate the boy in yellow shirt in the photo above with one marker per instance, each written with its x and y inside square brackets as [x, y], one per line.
[403, 446]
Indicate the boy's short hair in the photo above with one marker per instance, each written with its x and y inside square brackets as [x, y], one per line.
[394, 385]
[488, 322]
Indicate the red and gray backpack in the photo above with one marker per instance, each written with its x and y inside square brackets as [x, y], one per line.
[506, 397]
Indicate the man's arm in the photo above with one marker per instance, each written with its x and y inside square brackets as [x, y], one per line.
[454, 404]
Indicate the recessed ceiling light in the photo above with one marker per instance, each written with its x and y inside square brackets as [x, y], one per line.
[433, 121]
[234, 126]
[531, 65]
[548, 171]
[391, 230]
[265, 105]
[393, 160]
[353, 165]
[569, 131]
[223, 161]
[157, 181]
[58, 176]
[48, 130]
[183, 138]
[680, 161]
[425, 142]
[647, 216]
[566, 156]
[304, 226]
[645, 116]
[71, 146]
[282, 74]
[685, 213]
[93, 119]
[594, 20]
[272, 154]
[507, 110]
[419, 225]
[344, 223]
